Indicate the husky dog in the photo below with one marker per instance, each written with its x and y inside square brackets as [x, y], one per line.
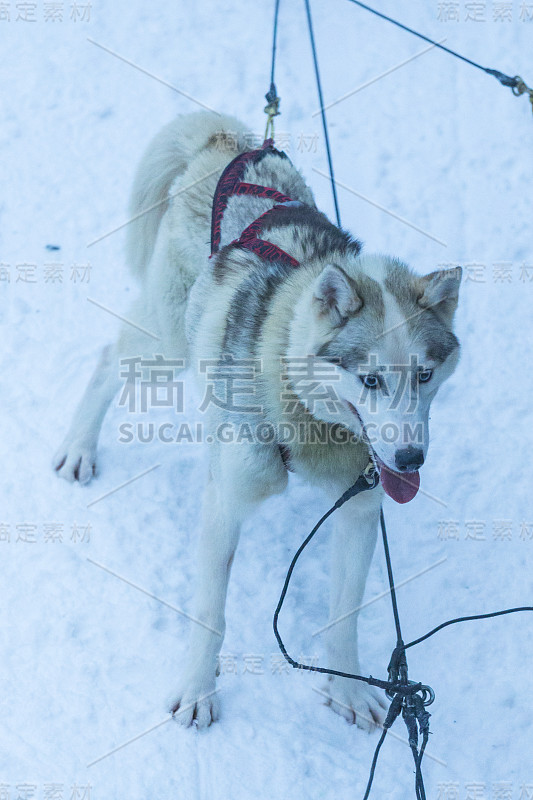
[348, 351]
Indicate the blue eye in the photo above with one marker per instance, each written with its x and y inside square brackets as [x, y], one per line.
[370, 381]
[424, 375]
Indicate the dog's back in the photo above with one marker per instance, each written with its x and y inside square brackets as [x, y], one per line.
[183, 161]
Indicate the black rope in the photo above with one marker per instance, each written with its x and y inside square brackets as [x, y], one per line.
[405, 694]
[374, 762]
[414, 714]
[391, 579]
[467, 619]
[273, 101]
[274, 44]
[322, 112]
[506, 80]
[393, 712]
[360, 485]
[407, 697]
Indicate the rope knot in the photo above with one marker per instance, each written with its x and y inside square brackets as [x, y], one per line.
[272, 110]
[397, 668]
[521, 87]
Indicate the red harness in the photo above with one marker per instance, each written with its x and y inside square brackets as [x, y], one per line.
[231, 183]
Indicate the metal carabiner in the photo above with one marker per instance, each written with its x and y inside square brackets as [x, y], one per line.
[428, 695]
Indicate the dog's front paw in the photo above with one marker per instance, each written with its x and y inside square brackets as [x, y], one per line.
[356, 701]
[75, 461]
[196, 705]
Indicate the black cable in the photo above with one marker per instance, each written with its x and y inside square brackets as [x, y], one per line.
[506, 80]
[399, 641]
[419, 761]
[404, 694]
[322, 112]
[374, 762]
[360, 485]
[274, 45]
[394, 710]
[466, 619]
[398, 668]
[402, 691]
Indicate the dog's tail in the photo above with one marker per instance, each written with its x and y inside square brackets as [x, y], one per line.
[166, 157]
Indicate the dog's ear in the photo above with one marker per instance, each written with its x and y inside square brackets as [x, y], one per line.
[335, 296]
[440, 291]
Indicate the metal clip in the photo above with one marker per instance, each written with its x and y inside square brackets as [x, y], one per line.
[371, 474]
[428, 695]
[272, 109]
[522, 88]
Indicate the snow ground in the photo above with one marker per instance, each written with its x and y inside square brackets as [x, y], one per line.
[89, 662]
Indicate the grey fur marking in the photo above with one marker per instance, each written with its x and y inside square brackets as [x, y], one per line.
[352, 342]
[424, 324]
[249, 308]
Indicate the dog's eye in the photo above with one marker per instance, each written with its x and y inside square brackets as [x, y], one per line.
[424, 375]
[370, 381]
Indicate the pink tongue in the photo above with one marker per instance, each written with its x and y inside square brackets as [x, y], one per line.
[402, 487]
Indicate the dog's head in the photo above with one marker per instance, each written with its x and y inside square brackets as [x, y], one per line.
[386, 336]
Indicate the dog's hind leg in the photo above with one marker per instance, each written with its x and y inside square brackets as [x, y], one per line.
[354, 540]
[75, 460]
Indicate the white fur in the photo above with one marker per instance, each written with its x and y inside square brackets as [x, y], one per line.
[182, 304]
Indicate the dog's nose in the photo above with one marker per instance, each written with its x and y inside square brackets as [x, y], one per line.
[409, 459]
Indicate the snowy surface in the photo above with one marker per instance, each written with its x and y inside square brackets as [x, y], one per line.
[90, 662]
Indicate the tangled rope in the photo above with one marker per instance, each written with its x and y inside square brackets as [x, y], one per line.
[409, 698]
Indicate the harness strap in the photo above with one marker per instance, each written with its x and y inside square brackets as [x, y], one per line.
[261, 191]
[227, 185]
[230, 184]
[269, 252]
